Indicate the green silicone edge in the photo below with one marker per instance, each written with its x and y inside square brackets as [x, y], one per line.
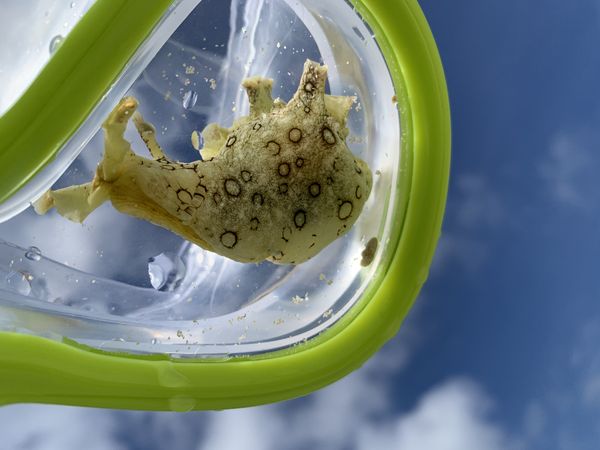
[91, 57]
[33, 369]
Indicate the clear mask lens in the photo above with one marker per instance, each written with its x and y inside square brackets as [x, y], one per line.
[118, 283]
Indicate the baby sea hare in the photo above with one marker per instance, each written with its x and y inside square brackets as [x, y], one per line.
[280, 184]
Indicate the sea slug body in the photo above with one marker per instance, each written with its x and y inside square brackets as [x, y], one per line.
[280, 184]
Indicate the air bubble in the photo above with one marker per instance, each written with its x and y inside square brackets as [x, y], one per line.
[55, 42]
[33, 253]
[17, 282]
[189, 99]
[166, 271]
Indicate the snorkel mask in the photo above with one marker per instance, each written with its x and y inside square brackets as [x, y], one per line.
[150, 135]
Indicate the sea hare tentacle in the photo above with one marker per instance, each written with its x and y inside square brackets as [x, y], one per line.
[280, 184]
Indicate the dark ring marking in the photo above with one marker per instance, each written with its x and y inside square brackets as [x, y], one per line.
[358, 192]
[273, 147]
[307, 110]
[309, 87]
[257, 126]
[254, 222]
[246, 176]
[314, 189]
[229, 239]
[184, 196]
[295, 135]
[232, 187]
[189, 210]
[286, 234]
[283, 188]
[167, 167]
[258, 199]
[345, 210]
[230, 141]
[299, 162]
[284, 169]
[328, 136]
[300, 219]
[198, 195]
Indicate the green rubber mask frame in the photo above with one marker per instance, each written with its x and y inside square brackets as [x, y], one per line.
[35, 369]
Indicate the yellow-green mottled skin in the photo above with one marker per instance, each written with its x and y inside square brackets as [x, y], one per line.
[280, 184]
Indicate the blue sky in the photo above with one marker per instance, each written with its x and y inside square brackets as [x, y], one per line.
[501, 350]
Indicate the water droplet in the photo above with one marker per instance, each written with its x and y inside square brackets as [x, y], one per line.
[153, 341]
[55, 42]
[166, 271]
[181, 404]
[168, 376]
[17, 282]
[189, 99]
[33, 253]
[72, 5]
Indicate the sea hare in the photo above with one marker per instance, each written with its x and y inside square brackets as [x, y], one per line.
[280, 184]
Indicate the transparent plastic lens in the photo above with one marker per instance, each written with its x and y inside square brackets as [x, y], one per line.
[118, 283]
[31, 32]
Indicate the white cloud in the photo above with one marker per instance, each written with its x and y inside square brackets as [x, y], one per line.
[570, 170]
[458, 248]
[585, 362]
[252, 428]
[479, 205]
[452, 416]
[46, 427]
[564, 415]
[535, 420]
[473, 206]
[350, 414]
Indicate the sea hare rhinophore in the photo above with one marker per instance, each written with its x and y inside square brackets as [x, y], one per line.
[280, 184]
